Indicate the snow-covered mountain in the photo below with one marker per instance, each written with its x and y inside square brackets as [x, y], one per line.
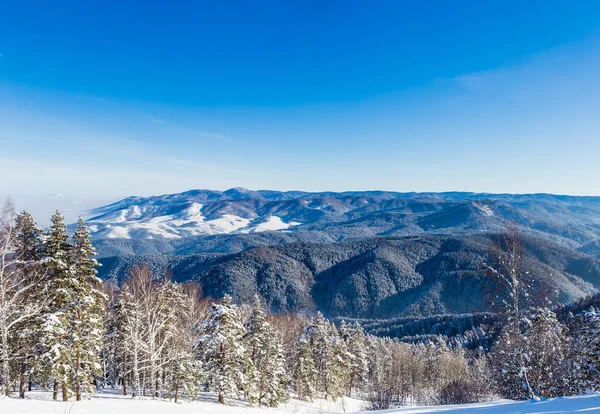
[178, 215]
[347, 215]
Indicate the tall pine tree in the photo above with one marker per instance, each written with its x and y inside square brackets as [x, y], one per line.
[222, 351]
[29, 253]
[87, 311]
[269, 376]
[61, 284]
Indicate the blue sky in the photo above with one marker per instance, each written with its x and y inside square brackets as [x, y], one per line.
[110, 99]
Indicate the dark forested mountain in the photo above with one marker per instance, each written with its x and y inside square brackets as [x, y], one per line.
[377, 277]
[369, 254]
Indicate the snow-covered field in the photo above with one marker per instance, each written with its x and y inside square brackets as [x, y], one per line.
[114, 403]
[108, 403]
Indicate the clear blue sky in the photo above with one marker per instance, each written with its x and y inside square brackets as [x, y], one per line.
[109, 99]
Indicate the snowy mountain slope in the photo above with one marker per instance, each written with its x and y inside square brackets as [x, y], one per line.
[174, 220]
[573, 221]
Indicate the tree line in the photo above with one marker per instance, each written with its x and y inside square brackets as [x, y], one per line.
[64, 330]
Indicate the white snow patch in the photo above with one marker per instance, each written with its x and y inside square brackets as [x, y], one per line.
[485, 209]
[273, 223]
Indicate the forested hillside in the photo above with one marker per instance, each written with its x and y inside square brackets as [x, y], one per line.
[376, 277]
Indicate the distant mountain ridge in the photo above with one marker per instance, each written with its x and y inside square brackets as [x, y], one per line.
[347, 215]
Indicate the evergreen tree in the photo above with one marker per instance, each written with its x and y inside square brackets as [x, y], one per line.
[529, 359]
[546, 354]
[16, 306]
[587, 352]
[57, 339]
[222, 352]
[29, 254]
[341, 361]
[354, 338]
[305, 371]
[88, 311]
[329, 355]
[270, 379]
[510, 367]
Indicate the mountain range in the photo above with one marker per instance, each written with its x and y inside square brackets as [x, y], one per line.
[367, 254]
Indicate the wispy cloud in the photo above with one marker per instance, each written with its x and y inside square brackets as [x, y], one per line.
[184, 130]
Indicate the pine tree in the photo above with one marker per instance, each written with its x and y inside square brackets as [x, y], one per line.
[587, 352]
[113, 352]
[354, 338]
[57, 339]
[529, 359]
[305, 371]
[269, 377]
[88, 311]
[340, 364]
[222, 352]
[16, 306]
[547, 342]
[330, 356]
[28, 252]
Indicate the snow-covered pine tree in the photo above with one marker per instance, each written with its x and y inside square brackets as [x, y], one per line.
[222, 351]
[340, 364]
[305, 371]
[354, 338]
[587, 351]
[329, 356]
[15, 287]
[186, 370]
[57, 339]
[29, 298]
[510, 372]
[547, 342]
[113, 361]
[529, 359]
[269, 376]
[88, 311]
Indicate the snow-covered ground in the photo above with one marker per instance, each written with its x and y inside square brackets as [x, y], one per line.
[109, 403]
[583, 404]
[114, 403]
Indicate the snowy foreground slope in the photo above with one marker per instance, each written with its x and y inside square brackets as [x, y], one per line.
[115, 404]
[108, 403]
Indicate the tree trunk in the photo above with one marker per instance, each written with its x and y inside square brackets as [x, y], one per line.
[77, 373]
[55, 392]
[22, 386]
[152, 379]
[5, 363]
[177, 387]
[65, 392]
[136, 374]
[221, 398]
